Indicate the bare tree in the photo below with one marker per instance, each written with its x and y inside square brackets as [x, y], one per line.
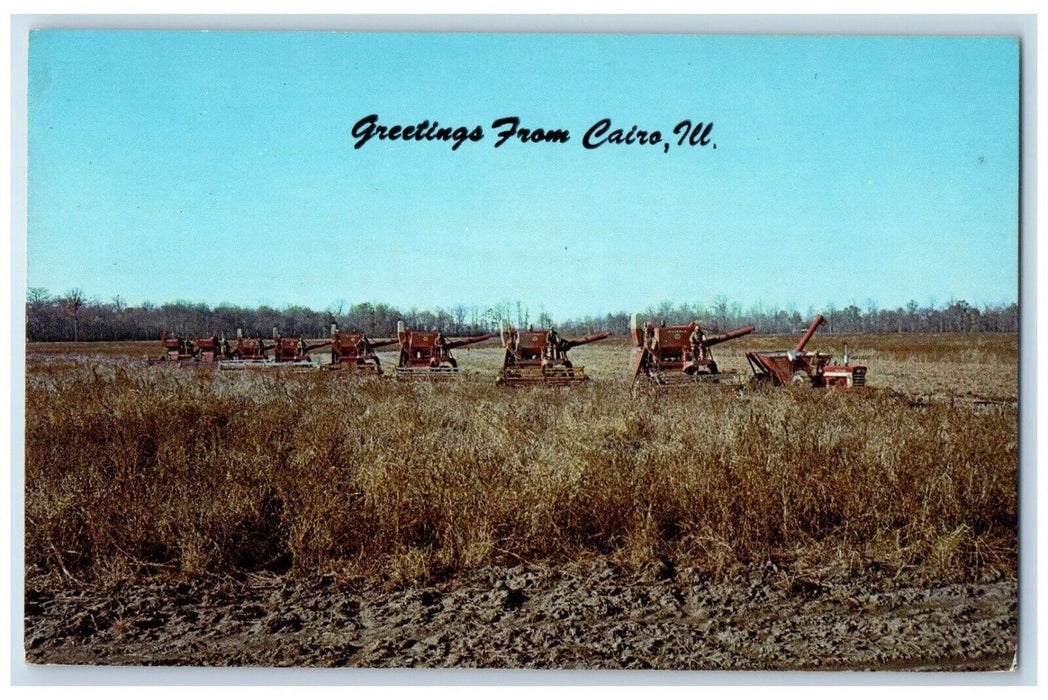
[458, 312]
[72, 303]
[720, 310]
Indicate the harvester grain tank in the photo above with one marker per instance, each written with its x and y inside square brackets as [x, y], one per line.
[427, 354]
[355, 352]
[800, 367]
[541, 357]
[677, 355]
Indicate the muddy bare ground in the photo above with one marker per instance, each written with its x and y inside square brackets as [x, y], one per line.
[583, 615]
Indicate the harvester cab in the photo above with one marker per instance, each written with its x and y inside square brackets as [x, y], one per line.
[355, 352]
[797, 366]
[427, 354]
[540, 357]
[673, 355]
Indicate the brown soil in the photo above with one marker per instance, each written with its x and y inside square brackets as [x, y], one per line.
[587, 614]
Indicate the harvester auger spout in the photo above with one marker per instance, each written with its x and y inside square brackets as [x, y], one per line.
[798, 366]
[355, 351]
[803, 342]
[427, 354]
[541, 357]
[566, 345]
[678, 355]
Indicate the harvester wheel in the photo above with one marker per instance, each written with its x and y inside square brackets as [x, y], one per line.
[800, 378]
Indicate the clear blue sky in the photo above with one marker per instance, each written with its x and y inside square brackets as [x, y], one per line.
[220, 167]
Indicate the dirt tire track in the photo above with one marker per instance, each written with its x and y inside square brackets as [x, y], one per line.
[586, 615]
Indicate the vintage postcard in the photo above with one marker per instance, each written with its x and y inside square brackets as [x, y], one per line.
[522, 350]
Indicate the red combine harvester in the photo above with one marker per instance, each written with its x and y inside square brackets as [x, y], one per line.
[355, 352]
[249, 353]
[427, 354]
[678, 355]
[293, 350]
[540, 357]
[210, 350]
[199, 351]
[176, 349]
[250, 349]
[805, 368]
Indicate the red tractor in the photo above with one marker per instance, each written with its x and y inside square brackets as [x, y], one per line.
[805, 368]
[674, 355]
[541, 358]
[355, 352]
[427, 354]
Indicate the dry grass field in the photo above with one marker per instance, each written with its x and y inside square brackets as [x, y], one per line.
[142, 475]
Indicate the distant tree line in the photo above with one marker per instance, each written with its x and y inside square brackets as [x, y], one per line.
[723, 315]
[74, 316]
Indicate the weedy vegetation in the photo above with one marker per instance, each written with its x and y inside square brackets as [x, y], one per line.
[135, 471]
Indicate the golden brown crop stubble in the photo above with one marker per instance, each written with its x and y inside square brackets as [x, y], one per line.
[135, 471]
